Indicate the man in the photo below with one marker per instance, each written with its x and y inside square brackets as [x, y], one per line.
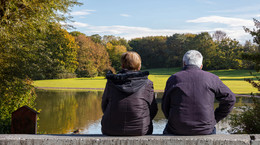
[188, 100]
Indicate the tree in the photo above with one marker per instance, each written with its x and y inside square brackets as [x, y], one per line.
[254, 57]
[249, 120]
[229, 51]
[176, 48]
[58, 59]
[151, 49]
[115, 52]
[159, 51]
[96, 38]
[219, 36]
[92, 57]
[23, 27]
[115, 47]
[76, 33]
[204, 43]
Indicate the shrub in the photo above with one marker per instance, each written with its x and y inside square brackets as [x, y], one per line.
[13, 95]
[248, 121]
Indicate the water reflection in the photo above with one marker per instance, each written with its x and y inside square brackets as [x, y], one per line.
[63, 111]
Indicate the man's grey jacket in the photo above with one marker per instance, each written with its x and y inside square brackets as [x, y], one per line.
[188, 102]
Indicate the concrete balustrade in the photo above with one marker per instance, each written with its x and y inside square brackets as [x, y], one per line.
[23, 139]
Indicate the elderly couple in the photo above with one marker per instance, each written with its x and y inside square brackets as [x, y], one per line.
[129, 105]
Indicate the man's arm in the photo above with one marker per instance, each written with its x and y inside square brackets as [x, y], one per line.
[166, 98]
[226, 100]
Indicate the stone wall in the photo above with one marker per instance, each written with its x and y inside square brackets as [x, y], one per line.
[80, 139]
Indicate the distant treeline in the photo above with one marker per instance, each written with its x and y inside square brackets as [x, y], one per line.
[219, 51]
[95, 55]
[61, 54]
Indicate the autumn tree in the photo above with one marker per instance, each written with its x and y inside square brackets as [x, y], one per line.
[115, 52]
[115, 47]
[23, 28]
[92, 57]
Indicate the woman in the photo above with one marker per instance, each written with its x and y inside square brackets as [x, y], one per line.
[128, 102]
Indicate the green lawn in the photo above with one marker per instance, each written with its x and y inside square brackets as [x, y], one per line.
[234, 79]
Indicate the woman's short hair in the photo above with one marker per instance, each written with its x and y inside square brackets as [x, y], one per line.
[193, 57]
[131, 60]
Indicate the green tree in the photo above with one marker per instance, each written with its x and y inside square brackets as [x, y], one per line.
[249, 48]
[204, 43]
[115, 46]
[58, 59]
[151, 49]
[229, 52]
[76, 33]
[249, 120]
[96, 38]
[254, 57]
[176, 47]
[23, 28]
[115, 52]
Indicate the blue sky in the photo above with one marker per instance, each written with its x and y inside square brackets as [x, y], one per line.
[140, 18]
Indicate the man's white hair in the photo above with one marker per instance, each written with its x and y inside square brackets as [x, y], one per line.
[193, 57]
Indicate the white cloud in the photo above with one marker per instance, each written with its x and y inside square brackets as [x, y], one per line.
[134, 32]
[125, 15]
[237, 33]
[233, 28]
[234, 22]
[76, 24]
[129, 32]
[81, 13]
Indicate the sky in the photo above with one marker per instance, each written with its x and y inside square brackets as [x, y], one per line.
[140, 18]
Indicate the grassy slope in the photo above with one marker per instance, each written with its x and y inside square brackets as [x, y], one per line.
[232, 78]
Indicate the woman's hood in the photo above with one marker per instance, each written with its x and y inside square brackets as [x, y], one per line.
[128, 81]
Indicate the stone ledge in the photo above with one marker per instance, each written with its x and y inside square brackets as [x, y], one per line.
[255, 139]
[80, 139]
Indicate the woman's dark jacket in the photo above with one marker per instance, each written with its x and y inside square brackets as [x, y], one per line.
[128, 104]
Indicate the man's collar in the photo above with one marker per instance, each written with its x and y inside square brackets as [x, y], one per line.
[187, 67]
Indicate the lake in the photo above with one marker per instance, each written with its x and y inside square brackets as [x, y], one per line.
[64, 111]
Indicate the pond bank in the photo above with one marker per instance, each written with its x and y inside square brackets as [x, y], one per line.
[14, 139]
[102, 89]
